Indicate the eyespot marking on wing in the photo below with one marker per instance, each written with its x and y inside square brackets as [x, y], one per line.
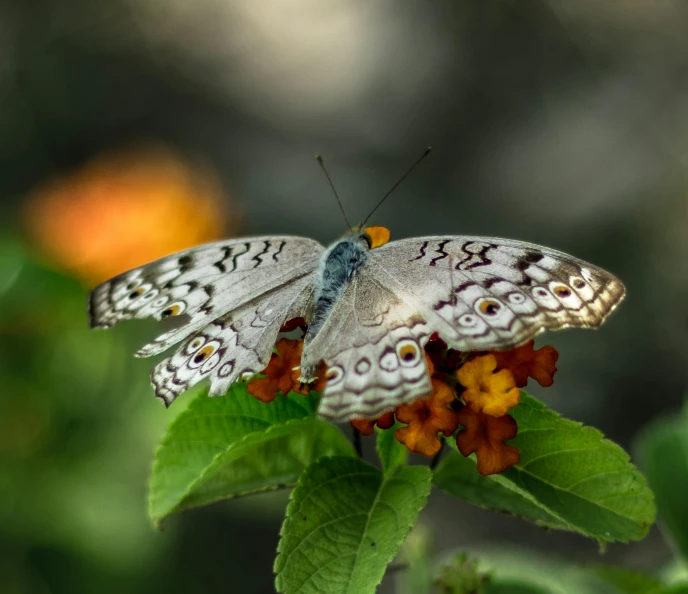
[334, 375]
[489, 306]
[408, 352]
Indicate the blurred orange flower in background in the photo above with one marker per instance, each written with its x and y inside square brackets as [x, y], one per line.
[125, 209]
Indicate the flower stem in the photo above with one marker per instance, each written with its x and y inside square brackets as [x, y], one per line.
[357, 443]
[436, 459]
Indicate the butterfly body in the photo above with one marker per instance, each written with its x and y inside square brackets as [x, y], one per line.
[370, 310]
[337, 266]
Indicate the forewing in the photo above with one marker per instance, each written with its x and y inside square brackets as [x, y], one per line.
[486, 293]
[372, 344]
[240, 342]
[202, 283]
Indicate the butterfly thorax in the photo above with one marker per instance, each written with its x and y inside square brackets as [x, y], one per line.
[337, 267]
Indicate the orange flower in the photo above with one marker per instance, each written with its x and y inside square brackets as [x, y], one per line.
[279, 372]
[426, 417]
[524, 362]
[487, 391]
[367, 426]
[123, 210]
[485, 435]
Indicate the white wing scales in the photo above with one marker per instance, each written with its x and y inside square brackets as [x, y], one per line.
[372, 344]
[202, 283]
[478, 293]
[237, 343]
[486, 293]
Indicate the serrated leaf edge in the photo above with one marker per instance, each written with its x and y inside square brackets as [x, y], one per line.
[385, 478]
[235, 445]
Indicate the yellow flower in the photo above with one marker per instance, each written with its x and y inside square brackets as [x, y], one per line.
[486, 391]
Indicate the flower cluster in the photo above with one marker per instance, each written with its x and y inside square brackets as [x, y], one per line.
[471, 390]
[283, 370]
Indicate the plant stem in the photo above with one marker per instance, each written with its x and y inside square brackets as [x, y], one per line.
[357, 443]
[435, 461]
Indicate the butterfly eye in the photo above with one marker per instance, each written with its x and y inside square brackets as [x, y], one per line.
[578, 283]
[136, 293]
[131, 285]
[490, 307]
[408, 352]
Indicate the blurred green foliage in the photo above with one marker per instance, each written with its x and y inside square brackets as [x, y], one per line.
[78, 429]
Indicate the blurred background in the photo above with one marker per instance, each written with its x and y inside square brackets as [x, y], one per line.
[132, 129]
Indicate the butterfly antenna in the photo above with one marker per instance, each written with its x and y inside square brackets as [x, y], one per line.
[329, 180]
[394, 187]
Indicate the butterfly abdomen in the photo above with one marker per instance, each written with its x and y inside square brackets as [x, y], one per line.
[337, 267]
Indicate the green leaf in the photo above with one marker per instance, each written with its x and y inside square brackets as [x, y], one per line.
[623, 580]
[462, 577]
[345, 523]
[232, 445]
[568, 477]
[663, 449]
[522, 571]
[392, 454]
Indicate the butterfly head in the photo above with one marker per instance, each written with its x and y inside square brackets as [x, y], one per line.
[375, 236]
[367, 238]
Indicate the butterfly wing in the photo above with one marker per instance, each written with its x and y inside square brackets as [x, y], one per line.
[372, 343]
[484, 293]
[240, 342]
[203, 283]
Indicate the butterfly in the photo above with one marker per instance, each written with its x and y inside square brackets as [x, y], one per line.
[371, 307]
